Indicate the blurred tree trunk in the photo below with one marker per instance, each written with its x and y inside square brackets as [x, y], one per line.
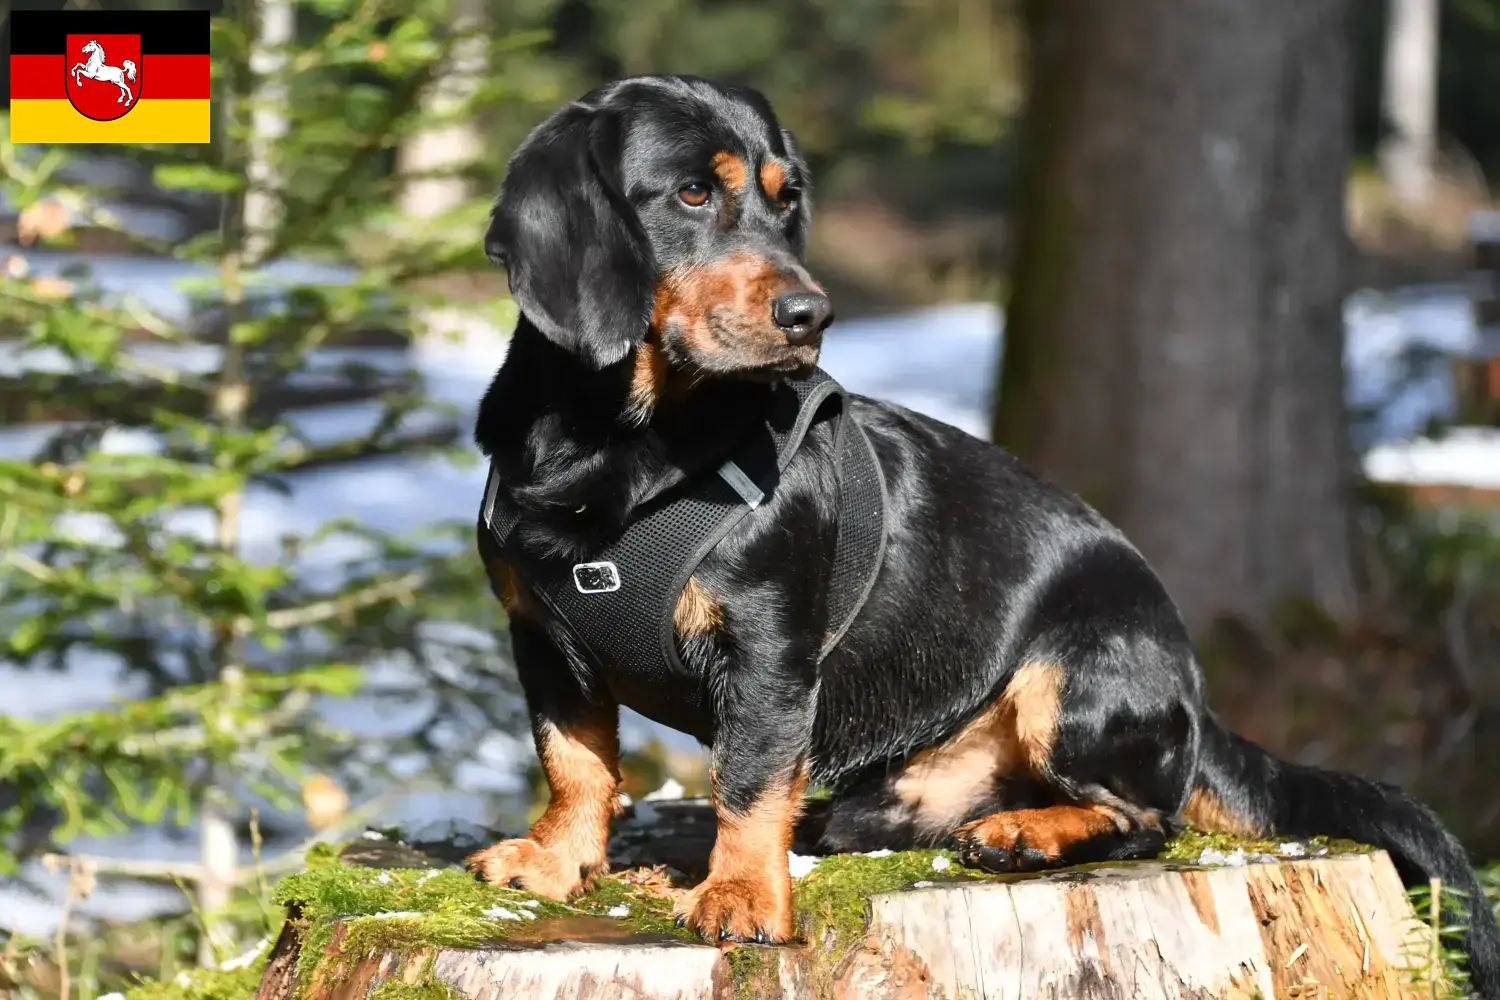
[432, 159]
[273, 25]
[1409, 98]
[262, 213]
[1174, 334]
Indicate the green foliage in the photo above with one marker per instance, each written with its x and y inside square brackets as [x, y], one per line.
[204, 984]
[138, 555]
[1437, 971]
[1438, 566]
[103, 771]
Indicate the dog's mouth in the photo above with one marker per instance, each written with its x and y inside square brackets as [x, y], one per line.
[727, 344]
[776, 372]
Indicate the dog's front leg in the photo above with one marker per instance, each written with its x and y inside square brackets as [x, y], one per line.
[577, 740]
[759, 775]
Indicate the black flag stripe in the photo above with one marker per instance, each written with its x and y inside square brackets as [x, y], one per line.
[163, 32]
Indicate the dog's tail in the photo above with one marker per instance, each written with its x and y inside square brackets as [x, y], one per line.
[1242, 787]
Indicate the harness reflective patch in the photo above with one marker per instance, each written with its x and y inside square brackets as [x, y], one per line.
[596, 577]
[741, 484]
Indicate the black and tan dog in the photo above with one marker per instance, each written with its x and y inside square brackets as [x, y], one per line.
[1018, 682]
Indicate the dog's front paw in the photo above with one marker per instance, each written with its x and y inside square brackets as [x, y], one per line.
[526, 864]
[738, 909]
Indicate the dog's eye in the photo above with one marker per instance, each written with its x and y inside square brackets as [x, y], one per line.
[694, 194]
[787, 200]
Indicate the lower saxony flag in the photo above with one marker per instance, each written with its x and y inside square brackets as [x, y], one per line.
[109, 76]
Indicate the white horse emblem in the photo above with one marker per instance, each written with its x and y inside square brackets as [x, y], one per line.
[97, 69]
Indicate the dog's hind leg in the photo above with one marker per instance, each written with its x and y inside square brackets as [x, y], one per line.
[1111, 737]
[982, 767]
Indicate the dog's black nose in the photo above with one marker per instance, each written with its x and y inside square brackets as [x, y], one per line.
[803, 315]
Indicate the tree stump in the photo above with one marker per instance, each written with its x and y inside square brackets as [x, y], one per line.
[1332, 926]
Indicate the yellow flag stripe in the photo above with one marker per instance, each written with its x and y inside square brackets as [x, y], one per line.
[149, 121]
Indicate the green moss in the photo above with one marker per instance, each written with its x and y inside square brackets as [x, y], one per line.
[437, 907]
[395, 989]
[833, 899]
[1189, 845]
[406, 910]
[204, 984]
[649, 914]
[754, 969]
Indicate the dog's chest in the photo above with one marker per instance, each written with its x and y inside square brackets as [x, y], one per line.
[619, 603]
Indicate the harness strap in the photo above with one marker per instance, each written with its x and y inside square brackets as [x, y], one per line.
[861, 544]
[619, 604]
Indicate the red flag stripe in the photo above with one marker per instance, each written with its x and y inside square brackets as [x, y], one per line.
[163, 77]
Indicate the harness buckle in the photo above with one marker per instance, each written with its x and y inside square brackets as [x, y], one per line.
[596, 577]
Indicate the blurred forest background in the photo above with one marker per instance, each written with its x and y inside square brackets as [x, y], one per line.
[1248, 260]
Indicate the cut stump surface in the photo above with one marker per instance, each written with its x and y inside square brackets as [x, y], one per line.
[1334, 926]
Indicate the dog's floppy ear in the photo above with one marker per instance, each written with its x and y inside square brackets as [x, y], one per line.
[577, 259]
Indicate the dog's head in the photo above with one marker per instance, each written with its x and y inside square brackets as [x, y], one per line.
[669, 207]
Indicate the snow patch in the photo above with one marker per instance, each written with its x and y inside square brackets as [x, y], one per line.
[1464, 456]
[670, 791]
[801, 864]
[1234, 859]
[240, 961]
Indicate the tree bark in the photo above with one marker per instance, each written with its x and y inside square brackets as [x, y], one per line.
[1174, 334]
[276, 23]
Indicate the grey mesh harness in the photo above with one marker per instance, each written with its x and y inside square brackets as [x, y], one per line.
[618, 603]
